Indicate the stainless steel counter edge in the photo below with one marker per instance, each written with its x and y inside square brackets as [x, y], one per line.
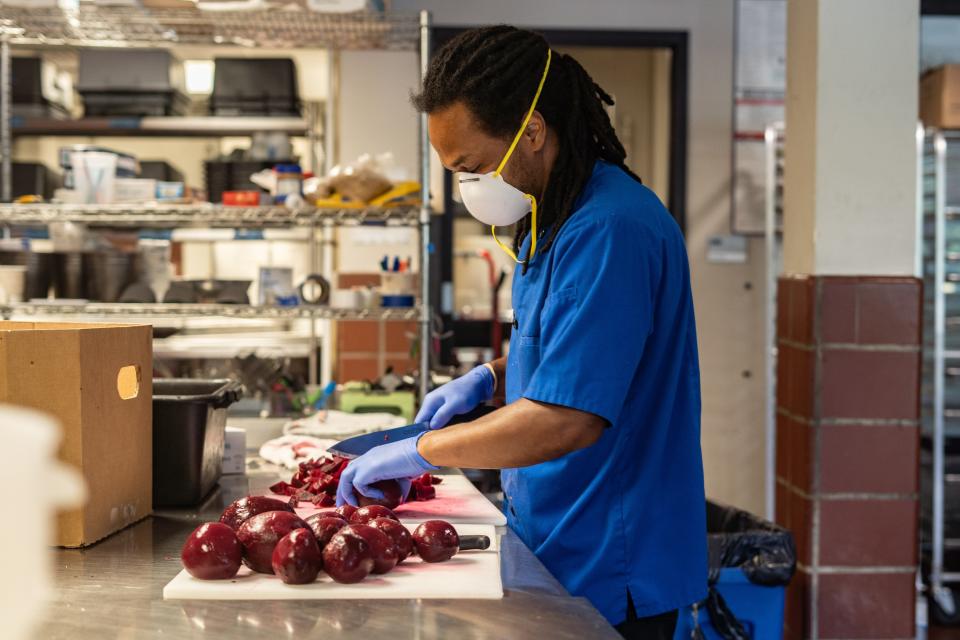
[114, 590]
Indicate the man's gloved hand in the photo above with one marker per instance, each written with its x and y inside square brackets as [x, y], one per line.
[456, 397]
[398, 461]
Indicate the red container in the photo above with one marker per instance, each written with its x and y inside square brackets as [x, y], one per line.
[241, 198]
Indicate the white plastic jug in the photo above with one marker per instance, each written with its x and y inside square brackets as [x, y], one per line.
[33, 485]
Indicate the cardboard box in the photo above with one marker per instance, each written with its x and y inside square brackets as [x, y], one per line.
[96, 379]
[940, 97]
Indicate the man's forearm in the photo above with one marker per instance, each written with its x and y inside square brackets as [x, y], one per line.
[500, 371]
[518, 435]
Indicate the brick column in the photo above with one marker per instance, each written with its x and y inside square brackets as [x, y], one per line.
[848, 379]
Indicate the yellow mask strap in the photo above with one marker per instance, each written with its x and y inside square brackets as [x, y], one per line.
[526, 120]
[533, 234]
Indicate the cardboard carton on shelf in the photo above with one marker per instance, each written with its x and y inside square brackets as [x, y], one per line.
[96, 379]
[940, 97]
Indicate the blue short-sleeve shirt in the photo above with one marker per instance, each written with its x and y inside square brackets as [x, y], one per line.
[604, 323]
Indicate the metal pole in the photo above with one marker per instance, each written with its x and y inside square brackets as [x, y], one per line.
[6, 89]
[918, 237]
[939, 325]
[770, 137]
[327, 265]
[426, 314]
[327, 268]
[312, 357]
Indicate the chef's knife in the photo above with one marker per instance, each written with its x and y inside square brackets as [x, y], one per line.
[359, 445]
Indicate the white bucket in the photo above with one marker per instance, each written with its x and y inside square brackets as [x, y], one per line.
[33, 486]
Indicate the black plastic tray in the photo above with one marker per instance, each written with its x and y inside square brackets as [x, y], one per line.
[189, 420]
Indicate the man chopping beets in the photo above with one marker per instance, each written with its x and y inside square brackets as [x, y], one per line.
[599, 439]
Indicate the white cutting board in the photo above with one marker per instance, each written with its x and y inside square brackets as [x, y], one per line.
[468, 575]
[457, 502]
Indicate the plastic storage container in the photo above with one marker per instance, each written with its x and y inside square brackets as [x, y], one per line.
[751, 563]
[189, 419]
[129, 70]
[231, 175]
[254, 87]
[160, 170]
[31, 84]
[146, 83]
[34, 179]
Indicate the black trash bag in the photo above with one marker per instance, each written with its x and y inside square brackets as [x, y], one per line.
[764, 551]
[723, 620]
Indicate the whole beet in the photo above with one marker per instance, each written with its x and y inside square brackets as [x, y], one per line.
[260, 534]
[392, 495]
[324, 527]
[363, 515]
[382, 548]
[436, 541]
[345, 511]
[245, 508]
[347, 558]
[398, 533]
[297, 558]
[212, 552]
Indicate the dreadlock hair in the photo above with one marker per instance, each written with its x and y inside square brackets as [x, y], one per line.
[495, 71]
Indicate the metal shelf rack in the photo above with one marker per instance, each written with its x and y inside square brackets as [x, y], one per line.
[200, 310]
[938, 238]
[273, 24]
[167, 126]
[171, 216]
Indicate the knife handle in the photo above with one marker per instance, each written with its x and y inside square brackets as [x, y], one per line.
[477, 412]
[474, 543]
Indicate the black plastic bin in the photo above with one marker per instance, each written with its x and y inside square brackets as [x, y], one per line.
[254, 87]
[34, 179]
[750, 562]
[189, 420]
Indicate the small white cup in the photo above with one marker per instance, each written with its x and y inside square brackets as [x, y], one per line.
[347, 299]
[12, 282]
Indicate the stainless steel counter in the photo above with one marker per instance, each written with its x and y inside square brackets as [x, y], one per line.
[114, 590]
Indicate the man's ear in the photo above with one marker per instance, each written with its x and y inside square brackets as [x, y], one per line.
[536, 131]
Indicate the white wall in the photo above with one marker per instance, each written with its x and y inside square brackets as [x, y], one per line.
[729, 312]
[375, 111]
[850, 193]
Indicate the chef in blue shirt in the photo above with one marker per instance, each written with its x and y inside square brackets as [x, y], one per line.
[599, 439]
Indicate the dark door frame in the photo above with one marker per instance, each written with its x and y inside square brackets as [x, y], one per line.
[471, 332]
[939, 8]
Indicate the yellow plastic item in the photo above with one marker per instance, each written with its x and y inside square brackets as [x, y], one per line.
[401, 195]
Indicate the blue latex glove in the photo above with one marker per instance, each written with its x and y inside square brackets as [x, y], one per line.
[456, 397]
[398, 461]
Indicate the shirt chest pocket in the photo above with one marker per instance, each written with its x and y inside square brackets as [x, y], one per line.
[547, 322]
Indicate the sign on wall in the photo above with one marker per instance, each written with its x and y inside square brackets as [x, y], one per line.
[760, 74]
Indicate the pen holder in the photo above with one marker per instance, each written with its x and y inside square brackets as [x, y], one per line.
[394, 283]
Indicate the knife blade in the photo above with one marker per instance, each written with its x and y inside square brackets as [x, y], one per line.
[359, 445]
